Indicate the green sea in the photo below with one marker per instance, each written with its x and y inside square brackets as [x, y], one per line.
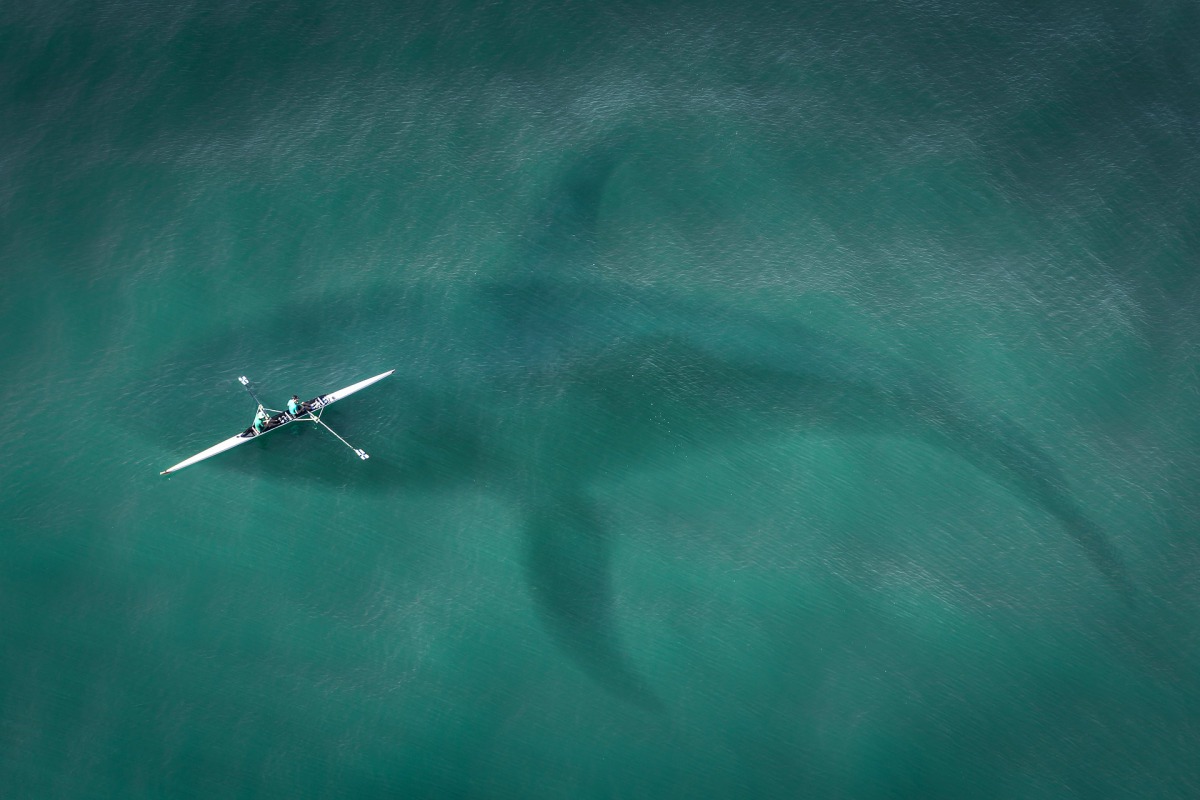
[791, 400]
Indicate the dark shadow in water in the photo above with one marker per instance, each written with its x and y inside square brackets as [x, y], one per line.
[998, 447]
[570, 577]
[570, 220]
[719, 390]
[653, 373]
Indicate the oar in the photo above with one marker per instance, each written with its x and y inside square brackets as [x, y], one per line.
[360, 453]
[246, 382]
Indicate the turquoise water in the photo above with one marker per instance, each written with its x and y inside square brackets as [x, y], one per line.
[793, 401]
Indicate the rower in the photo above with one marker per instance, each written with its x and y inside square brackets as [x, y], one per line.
[260, 419]
[293, 406]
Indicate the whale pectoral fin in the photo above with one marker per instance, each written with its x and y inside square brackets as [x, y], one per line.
[569, 576]
[998, 447]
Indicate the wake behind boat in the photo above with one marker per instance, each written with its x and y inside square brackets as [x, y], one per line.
[307, 412]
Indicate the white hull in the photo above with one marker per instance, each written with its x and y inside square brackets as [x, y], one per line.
[316, 404]
[231, 442]
[349, 390]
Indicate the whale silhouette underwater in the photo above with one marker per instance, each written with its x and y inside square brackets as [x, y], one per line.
[520, 355]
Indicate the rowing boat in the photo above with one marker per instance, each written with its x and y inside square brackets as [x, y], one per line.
[309, 412]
